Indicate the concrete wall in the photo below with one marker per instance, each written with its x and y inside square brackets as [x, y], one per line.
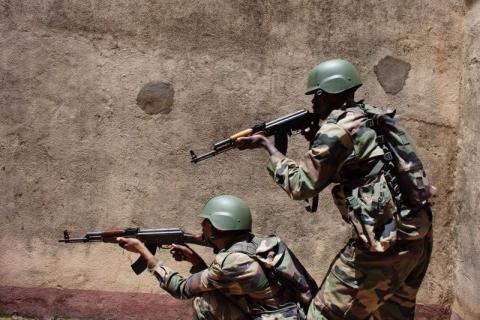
[78, 153]
[467, 258]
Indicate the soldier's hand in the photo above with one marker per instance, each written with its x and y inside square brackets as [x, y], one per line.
[252, 142]
[131, 244]
[185, 253]
[136, 246]
[309, 134]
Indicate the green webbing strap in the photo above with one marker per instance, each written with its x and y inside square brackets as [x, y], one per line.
[377, 168]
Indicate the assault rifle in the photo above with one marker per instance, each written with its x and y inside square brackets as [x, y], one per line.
[281, 128]
[152, 238]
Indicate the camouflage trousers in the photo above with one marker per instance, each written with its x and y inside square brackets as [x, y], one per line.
[215, 306]
[361, 285]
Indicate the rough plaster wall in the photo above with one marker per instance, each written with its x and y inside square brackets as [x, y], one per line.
[467, 280]
[78, 153]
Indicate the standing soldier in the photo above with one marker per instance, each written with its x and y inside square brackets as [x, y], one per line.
[235, 286]
[380, 189]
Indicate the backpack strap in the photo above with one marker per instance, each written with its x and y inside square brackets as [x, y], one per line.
[388, 167]
[247, 247]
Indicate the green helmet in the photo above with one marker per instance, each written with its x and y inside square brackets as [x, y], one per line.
[228, 213]
[333, 76]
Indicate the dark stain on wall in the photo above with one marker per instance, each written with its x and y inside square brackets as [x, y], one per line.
[470, 3]
[156, 97]
[392, 74]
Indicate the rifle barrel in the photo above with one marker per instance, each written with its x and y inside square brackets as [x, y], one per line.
[209, 154]
[286, 117]
[292, 121]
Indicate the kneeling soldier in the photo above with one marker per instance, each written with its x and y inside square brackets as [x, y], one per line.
[235, 285]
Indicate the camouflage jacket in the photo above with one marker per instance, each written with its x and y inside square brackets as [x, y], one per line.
[344, 152]
[236, 275]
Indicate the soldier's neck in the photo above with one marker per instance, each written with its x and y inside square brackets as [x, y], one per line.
[350, 102]
[227, 241]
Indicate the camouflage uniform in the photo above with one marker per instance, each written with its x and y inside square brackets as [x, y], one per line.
[380, 270]
[233, 287]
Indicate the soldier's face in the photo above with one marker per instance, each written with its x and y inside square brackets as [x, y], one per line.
[206, 229]
[320, 105]
[323, 103]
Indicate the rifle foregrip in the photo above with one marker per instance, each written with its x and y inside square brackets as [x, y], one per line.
[112, 234]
